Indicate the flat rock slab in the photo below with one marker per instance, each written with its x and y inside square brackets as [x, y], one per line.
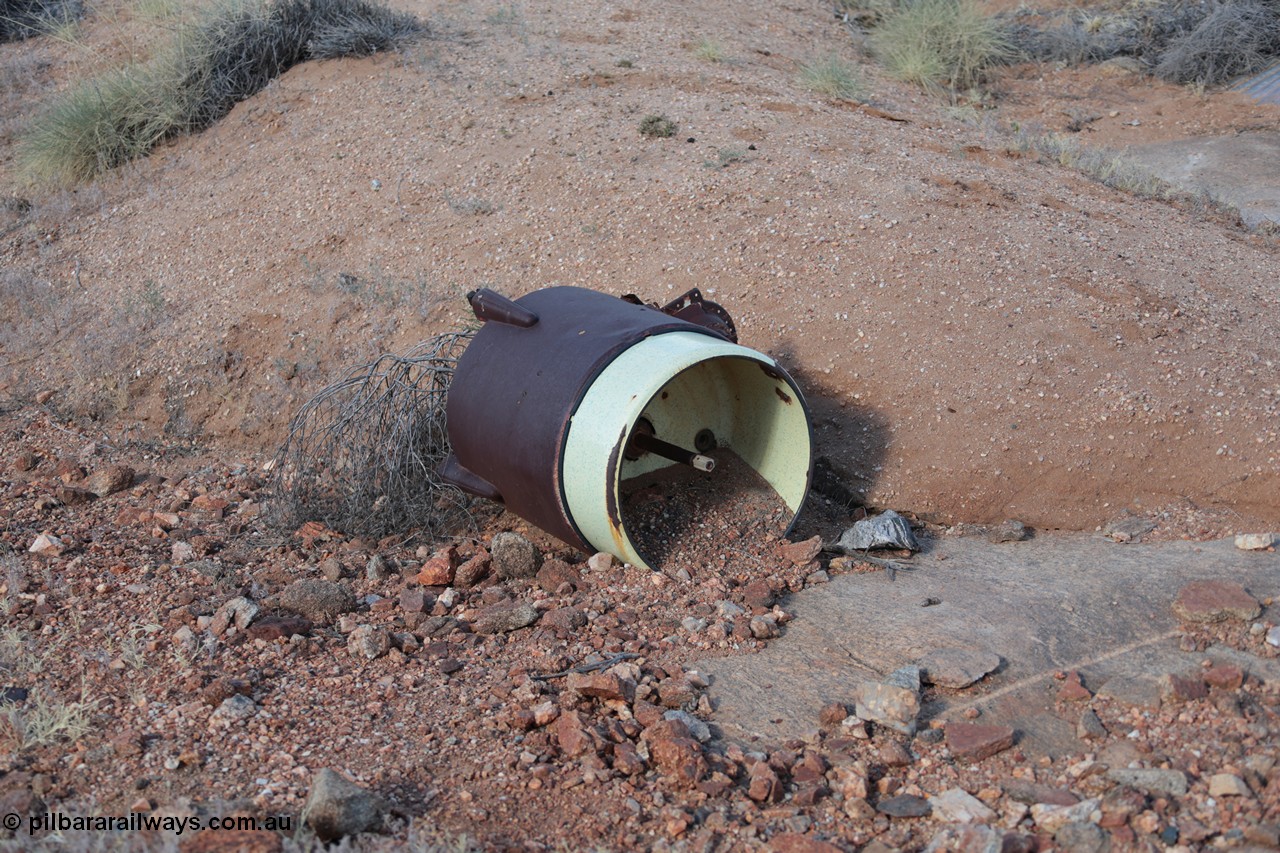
[1239, 170]
[1051, 604]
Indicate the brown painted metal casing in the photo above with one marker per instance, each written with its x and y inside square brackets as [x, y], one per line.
[519, 382]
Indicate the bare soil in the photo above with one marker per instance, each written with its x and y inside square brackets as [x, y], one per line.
[678, 512]
[982, 335]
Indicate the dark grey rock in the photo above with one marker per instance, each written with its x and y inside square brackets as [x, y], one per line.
[1153, 780]
[1090, 727]
[1009, 531]
[1128, 528]
[504, 617]
[904, 805]
[337, 807]
[887, 530]
[318, 600]
[1082, 837]
[378, 568]
[513, 556]
[956, 667]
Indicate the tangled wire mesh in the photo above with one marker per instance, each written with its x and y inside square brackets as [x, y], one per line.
[362, 455]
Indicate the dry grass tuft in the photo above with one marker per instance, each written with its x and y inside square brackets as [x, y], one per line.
[229, 52]
[941, 43]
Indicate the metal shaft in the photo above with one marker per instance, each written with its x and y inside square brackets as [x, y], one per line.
[653, 444]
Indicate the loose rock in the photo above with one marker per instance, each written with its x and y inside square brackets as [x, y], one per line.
[1090, 727]
[514, 556]
[956, 667]
[1215, 601]
[337, 807]
[318, 600]
[1128, 528]
[506, 616]
[1156, 780]
[904, 805]
[887, 530]
[972, 742]
[238, 611]
[1257, 541]
[1228, 785]
[959, 806]
[895, 702]
[369, 641]
[1009, 531]
[108, 481]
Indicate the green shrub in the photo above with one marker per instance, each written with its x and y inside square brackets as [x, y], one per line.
[834, 78]
[227, 54]
[937, 42]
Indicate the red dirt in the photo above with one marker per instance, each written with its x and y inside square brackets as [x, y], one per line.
[980, 335]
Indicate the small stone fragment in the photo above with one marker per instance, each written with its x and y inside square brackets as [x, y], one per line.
[970, 838]
[440, 569]
[758, 594]
[473, 571]
[337, 807]
[956, 667]
[107, 481]
[802, 553]
[233, 709]
[894, 754]
[1215, 601]
[47, 545]
[601, 562]
[555, 573]
[602, 685]
[763, 627]
[895, 702]
[1008, 531]
[1223, 676]
[1050, 818]
[1090, 726]
[514, 556]
[278, 627]
[564, 620]
[1177, 689]
[959, 806]
[378, 568]
[700, 731]
[1073, 689]
[1228, 785]
[1257, 541]
[369, 641]
[318, 600]
[238, 611]
[887, 530]
[506, 616]
[1128, 528]
[904, 805]
[763, 785]
[833, 713]
[1155, 780]
[973, 742]
[1082, 837]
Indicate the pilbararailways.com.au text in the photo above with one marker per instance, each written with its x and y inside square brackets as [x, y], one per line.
[141, 822]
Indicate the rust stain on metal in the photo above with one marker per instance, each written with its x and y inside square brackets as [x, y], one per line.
[769, 371]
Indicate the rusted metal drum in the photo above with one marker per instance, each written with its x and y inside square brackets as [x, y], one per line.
[559, 388]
